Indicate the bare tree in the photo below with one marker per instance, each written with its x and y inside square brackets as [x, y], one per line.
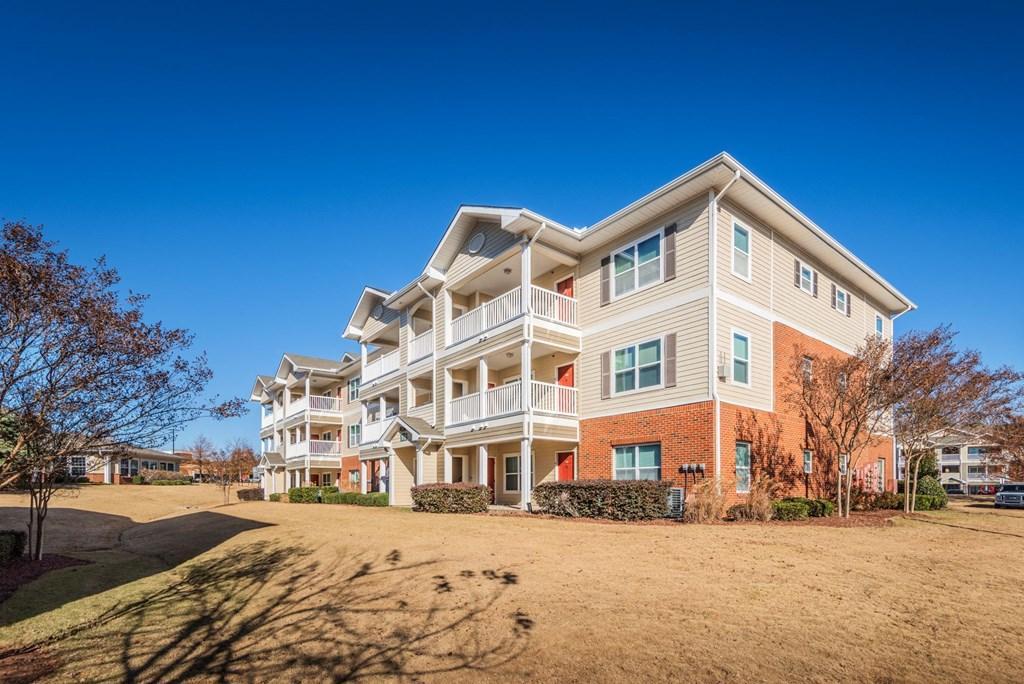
[938, 387]
[202, 450]
[81, 370]
[243, 459]
[768, 457]
[1009, 439]
[845, 399]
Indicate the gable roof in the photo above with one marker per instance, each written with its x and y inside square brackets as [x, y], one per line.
[368, 298]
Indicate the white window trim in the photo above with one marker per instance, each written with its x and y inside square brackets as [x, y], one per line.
[636, 456]
[359, 435]
[750, 251]
[810, 288]
[808, 461]
[504, 473]
[880, 334]
[732, 357]
[353, 385]
[661, 367]
[749, 467]
[636, 266]
[846, 298]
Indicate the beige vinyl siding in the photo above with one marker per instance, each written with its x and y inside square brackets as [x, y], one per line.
[497, 242]
[759, 330]
[403, 476]
[545, 460]
[691, 266]
[758, 290]
[543, 334]
[512, 431]
[425, 412]
[690, 324]
[375, 326]
[815, 313]
[564, 434]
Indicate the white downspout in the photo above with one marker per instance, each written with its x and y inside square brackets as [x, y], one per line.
[713, 200]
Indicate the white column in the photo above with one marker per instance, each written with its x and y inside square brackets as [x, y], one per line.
[447, 465]
[525, 472]
[391, 477]
[526, 271]
[362, 477]
[481, 464]
[364, 412]
[385, 472]
[446, 303]
[362, 354]
[419, 464]
[481, 381]
[525, 365]
[383, 408]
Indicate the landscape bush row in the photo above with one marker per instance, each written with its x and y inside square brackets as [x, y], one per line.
[608, 499]
[460, 497]
[329, 495]
[12, 545]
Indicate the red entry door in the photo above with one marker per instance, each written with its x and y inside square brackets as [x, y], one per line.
[566, 287]
[566, 466]
[566, 375]
[490, 477]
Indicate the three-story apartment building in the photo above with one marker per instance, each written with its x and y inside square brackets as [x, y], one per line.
[638, 347]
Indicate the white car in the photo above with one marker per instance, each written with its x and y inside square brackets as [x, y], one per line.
[1010, 496]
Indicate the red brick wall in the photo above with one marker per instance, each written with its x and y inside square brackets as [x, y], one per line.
[685, 432]
[348, 463]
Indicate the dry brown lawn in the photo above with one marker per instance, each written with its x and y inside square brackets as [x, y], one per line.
[184, 588]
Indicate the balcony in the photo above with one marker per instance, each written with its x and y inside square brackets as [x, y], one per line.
[508, 399]
[316, 404]
[266, 419]
[381, 366]
[315, 448]
[505, 307]
[421, 346]
[371, 432]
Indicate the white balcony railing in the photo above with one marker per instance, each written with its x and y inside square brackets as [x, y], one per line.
[314, 447]
[553, 306]
[371, 432]
[322, 404]
[297, 406]
[464, 409]
[502, 308]
[549, 398]
[504, 399]
[380, 366]
[266, 419]
[421, 346]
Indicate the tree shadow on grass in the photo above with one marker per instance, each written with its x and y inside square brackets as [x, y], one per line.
[281, 612]
[123, 552]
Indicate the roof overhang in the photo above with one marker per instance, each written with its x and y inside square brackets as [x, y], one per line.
[415, 290]
[369, 298]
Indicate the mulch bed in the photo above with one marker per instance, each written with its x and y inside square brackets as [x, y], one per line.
[22, 571]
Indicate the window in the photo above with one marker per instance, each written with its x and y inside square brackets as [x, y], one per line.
[879, 328]
[354, 434]
[353, 389]
[327, 436]
[76, 466]
[742, 466]
[638, 265]
[267, 409]
[807, 366]
[638, 462]
[843, 380]
[842, 303]
[844, 461]
[951, 469]
[740, 358]
[741, 251]
[638, 366]
[353, 477]
[326, 479]
[806, 278]
[808, 461]
[512, 473]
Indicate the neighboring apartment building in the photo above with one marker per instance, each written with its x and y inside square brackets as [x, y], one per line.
[310, 420]
[526, 351]
[118, 469]
[965, 463]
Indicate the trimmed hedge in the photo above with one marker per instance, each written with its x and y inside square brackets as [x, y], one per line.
[309, 494]
[458, 497]
[816, 508]
[356, 499]
[166, 483]
[12, 545]
[610, 499]
[250, 494]
[275, 498]
[791, 510]
[138, 479]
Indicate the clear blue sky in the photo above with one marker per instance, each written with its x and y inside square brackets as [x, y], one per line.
[249, 165]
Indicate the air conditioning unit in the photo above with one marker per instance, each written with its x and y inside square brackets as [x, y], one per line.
[723, 371]
[676, 502]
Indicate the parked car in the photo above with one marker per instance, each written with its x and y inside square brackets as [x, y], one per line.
[1010, 496]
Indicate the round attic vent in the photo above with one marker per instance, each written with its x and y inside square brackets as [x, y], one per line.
[476, 243]
[378, 311]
